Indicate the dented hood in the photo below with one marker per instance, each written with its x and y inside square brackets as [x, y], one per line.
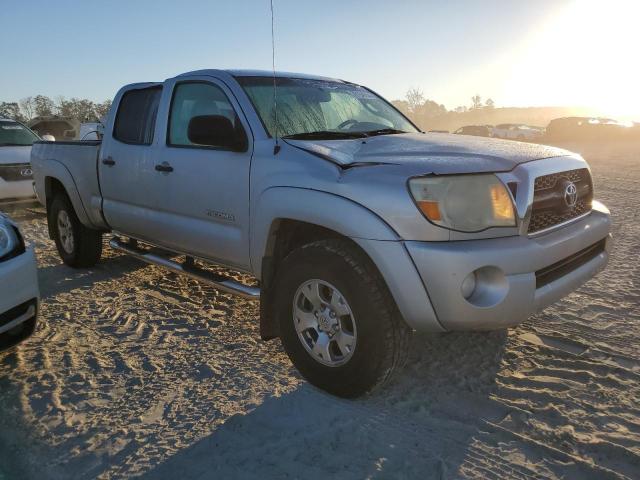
[438, 153]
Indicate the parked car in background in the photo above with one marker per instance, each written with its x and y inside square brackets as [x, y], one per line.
[357, 227]
[16, 177]
[581, 128]
[19, 292]
[475, 130]
[516, 131]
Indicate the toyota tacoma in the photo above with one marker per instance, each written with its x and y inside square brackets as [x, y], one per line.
[358, 227]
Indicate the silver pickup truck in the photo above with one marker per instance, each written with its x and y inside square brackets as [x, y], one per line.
[358, 228]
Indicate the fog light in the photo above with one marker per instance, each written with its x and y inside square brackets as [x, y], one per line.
[468, 285]
[486, 287]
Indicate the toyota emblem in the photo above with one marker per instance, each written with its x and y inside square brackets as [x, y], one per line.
[570, 194]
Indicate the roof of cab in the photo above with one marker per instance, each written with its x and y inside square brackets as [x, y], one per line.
[258, 73]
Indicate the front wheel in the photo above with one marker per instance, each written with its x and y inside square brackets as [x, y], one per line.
[338, 322]
[77, 245]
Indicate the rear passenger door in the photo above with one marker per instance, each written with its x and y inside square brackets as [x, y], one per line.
[126, 165]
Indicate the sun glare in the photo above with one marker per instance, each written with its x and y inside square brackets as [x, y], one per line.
[585, 55]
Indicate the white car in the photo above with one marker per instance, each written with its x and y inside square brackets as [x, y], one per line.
[19, 292]
[16, 176]
[516, 131]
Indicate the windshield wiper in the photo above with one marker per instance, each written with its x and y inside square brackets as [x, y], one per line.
[325, 134]
[383, 131]
[339, 135]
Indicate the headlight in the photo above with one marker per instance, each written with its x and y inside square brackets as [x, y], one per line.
[467, 203]
[8, 240]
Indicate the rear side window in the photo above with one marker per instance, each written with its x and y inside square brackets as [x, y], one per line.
[136, 117]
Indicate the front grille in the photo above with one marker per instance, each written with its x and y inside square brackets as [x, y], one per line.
[559, 269]
[16, 172]
[549, 181]
[547, 219]
[551, 203]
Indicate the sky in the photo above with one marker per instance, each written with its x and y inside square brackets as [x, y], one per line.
[517, 52]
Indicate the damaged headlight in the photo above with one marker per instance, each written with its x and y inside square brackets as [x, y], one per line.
[467, 203]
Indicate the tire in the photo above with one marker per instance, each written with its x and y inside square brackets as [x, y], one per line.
[84, 248]
[380, 337]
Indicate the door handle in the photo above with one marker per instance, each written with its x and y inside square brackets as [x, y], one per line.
[164, 167]
[109, 161]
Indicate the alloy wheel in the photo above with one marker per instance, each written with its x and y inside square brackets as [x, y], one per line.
[324, 322]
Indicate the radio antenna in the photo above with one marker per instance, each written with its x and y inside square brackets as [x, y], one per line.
[276, 147]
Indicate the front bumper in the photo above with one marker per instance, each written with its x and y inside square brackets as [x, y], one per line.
[18, 189]
[19, 298]
[506, 292]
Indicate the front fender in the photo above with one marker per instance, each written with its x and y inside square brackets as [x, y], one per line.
[378, 240]
[312, 206]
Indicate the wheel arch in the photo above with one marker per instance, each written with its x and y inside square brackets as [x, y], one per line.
[323, 211]
[291, 217]
[54, 186]
[59, 180]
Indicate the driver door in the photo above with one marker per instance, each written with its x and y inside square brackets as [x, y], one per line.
[201, 193]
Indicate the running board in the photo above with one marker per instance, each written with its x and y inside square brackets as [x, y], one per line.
[218, 281]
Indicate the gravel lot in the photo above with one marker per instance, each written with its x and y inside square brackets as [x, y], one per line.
[136, 371]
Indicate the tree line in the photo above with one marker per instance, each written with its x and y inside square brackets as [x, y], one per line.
[420, 109]
[415, 105]
[81, 109]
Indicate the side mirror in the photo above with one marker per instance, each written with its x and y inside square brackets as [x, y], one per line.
[216, 131]
[48, 138]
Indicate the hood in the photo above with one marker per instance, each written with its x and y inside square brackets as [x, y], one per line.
[437, 153]
[10, 155]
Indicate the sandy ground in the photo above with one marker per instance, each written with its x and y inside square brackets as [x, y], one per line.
[136, 371]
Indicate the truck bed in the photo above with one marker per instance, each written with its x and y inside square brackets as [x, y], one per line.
[80, 160]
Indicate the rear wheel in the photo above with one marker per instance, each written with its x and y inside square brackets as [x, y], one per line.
[77, 245]
[338, 322]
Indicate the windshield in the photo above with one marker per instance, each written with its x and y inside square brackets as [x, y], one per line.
[15, 134]
[322, 108]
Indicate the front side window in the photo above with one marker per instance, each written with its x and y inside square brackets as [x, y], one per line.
[13, 134]
[308, 106]
[136, 117]
[193, 100]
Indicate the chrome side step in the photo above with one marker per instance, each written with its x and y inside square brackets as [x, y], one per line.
[188, 268]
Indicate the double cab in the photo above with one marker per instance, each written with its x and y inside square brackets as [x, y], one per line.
[358, 227]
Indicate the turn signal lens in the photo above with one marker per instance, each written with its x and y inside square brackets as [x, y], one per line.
[501, 203]
[430, 209]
